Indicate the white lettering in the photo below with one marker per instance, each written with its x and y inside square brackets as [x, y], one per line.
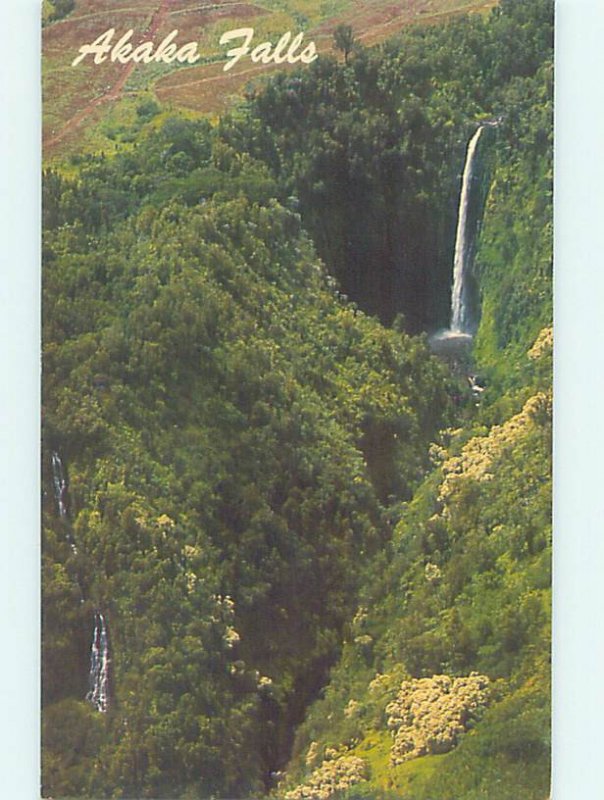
[100, 47]
[309, 54]
[281, 45]
[123, 49]
[188, 54]
[236, 52]
[262, 52]
[166, 52]
[287, 50]
[143, 53]
[293, 47]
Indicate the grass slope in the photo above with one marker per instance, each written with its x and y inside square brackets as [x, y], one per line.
[78, 101]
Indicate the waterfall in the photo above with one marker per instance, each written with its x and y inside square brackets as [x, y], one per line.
[99, 665]
[460, 322]
[60, 484]
[455, 342]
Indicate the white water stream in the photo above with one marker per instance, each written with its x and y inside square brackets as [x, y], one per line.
[460, 317]
[99, 665]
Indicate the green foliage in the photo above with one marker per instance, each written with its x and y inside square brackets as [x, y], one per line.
[231, 428]
[467, 587]
[373, 150]
[54, 10]
[465, 584]
[248, 453]
[514, 259]
[343, 39]
[147, 109]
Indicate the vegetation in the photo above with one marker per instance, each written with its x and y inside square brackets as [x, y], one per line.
[292, 516]
[373, 150]
[232, 430]
[54, 10]
[80, 104]
[343, 39]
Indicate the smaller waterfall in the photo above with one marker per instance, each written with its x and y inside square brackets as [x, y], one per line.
[460, 322]
[99, 665]
[60, 484]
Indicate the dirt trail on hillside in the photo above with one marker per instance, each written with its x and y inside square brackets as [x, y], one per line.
[207, 88]
[116, 90]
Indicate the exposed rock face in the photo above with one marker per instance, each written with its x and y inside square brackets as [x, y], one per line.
[429, 714]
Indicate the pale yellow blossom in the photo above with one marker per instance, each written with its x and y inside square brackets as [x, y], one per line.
[335, 775]
[429, 714]
[544, 344]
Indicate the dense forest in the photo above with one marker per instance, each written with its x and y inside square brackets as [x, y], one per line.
[297, 523]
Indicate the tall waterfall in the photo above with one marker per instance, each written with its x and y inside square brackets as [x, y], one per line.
[99, 665]
[460, 322]
[60, 484]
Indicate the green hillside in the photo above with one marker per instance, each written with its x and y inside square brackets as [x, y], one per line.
[87, 109]
[324, 563]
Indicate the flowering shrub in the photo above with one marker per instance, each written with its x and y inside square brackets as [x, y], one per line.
[231, 637]
[352, 709]
[332, 776]
[432, 572]
[429, 714]
[544, 344]
[312, 753]
[478, 456]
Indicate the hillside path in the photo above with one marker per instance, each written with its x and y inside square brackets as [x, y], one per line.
[116, 90]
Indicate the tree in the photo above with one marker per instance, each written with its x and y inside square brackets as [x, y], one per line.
[343, 38]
